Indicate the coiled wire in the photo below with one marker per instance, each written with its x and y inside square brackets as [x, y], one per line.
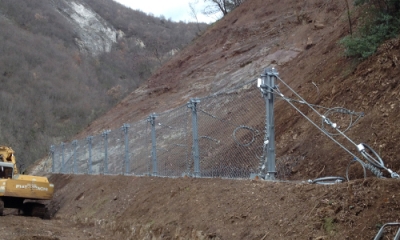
[368, 166]
[327, 180]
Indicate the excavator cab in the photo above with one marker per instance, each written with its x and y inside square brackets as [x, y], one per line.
[6, 170]
[22, 191]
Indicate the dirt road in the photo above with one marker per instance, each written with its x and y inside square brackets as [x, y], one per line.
[127, 207]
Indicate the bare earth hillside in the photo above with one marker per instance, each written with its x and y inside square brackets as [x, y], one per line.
[300, 38]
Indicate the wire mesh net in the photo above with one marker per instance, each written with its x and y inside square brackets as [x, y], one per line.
[230, 135]
[81, 156]
[57, 153]
[287, 165]
[96, 162]
[115, 151]
[172, 142]
[139, 147]
[68, 158]
[230, 130]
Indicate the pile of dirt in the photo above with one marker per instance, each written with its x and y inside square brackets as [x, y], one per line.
[128, 207]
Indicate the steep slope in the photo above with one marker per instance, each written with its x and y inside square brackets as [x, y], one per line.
[64, 63]
[301, 40]
[238, 47]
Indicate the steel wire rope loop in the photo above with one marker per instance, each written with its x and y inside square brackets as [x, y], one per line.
[210, 139]
[252, 130]
[253, 135]
[369, 158]
[327, 180]
[343, 111]
[329, 136]
[376, 162]
[262, 156]
[319, 114]
[360, 114]
[325, 121]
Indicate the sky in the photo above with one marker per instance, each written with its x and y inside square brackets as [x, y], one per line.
[176, 10]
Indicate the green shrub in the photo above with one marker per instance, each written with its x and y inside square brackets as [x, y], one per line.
[378, 24]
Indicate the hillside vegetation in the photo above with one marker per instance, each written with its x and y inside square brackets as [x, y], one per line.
[51, 89]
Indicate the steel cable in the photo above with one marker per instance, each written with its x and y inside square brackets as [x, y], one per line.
[361, 147]
[319, 114]
[327, 180]
[343, 110]
[298, 110]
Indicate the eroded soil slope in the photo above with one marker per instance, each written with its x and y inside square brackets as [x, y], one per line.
[301, 40]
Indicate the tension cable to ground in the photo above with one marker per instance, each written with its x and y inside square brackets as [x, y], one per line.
[374, 162]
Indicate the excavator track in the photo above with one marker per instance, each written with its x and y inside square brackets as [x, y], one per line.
[35, 209]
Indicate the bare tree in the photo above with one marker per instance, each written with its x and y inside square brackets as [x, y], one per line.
[193, 13]
[223, 6]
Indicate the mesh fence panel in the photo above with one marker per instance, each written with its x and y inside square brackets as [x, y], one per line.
[230, 135]
[69, 158]
[172, 142]
[230, 141]
[115, 151]
[140, 148]
[57, 152]
[81, 165]
[286, 165]
[97, 160]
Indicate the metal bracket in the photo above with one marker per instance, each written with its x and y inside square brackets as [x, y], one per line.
[382, 230]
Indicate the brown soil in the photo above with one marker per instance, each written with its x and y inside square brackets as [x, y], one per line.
[126, 207]
[301, 39]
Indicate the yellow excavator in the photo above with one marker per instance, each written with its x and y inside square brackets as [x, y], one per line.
[17, 189]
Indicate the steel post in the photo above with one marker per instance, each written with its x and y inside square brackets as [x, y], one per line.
[196, 155]
[152, 120]
[75, 145]
[125, 129]
[105, 135]
[89, 141]
[267, 87]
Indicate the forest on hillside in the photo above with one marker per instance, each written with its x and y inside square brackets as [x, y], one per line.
[51, 90]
